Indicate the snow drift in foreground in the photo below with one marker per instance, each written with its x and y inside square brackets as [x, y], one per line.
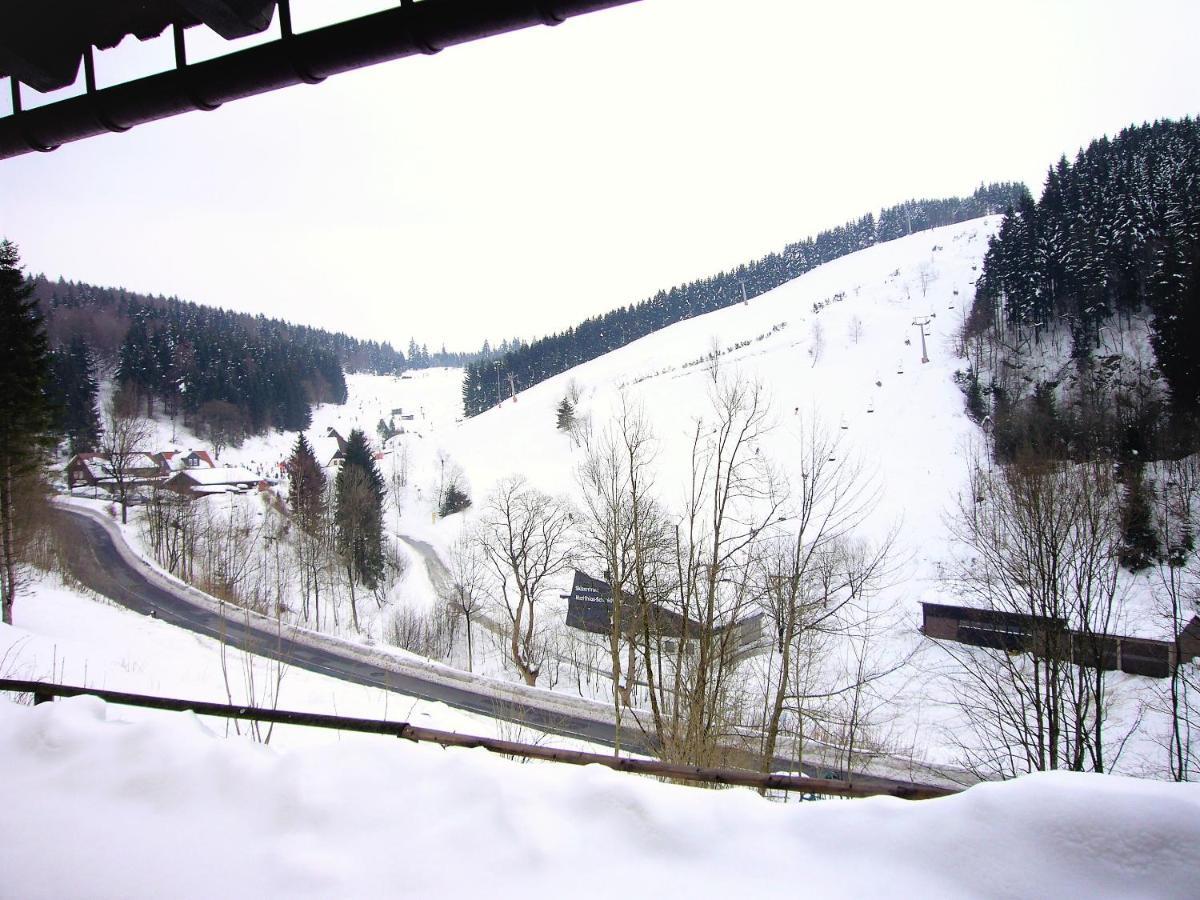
[163, 808]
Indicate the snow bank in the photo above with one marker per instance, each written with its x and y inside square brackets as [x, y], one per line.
[163, 808]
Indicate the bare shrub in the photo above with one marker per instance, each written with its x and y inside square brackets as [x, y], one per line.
[427, 633]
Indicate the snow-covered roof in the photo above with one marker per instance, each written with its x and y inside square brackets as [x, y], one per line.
[181, 460]
[219, 476]
[99, 467]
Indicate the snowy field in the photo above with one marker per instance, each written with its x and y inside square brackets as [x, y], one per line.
[163, 804]
[68, 637]
[837, 346]
[164, 808]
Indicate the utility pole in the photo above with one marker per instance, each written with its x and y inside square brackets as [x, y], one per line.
[745, 302]
[922, 323]
[499, 398]
[512, 387]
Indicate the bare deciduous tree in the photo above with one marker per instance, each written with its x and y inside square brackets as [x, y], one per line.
[816, 341]
[1178, 576]
[856, 328]
[1041, 541]
[171, 526]
[812, 581]
[926, 275]
[691, 636]
[622, 536]
[467, 575]
[125, 443]
[712, 359]
[525, 538]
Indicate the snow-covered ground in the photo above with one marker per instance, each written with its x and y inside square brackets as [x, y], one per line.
[162, 808]
[838, 345]
[161, 804]
[71, 637]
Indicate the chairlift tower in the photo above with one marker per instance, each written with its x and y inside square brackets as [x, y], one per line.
[922, 322]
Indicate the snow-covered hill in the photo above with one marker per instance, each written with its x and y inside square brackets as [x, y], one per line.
[145, 794]
[838, 346]
[838, 343]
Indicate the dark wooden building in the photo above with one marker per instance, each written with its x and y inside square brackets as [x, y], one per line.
[1050, 637]
[589, 608]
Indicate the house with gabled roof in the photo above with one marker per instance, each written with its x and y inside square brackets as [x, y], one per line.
[95, 470]
[176, 460]
[339, 454]
[87, 469]
[205, 482]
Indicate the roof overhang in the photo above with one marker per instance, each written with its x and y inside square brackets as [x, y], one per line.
[44, 43]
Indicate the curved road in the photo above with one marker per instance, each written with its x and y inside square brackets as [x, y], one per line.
[99, 564]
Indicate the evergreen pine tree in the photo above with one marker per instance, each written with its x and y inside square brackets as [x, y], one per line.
[75, 393]
[1176, 325]
[1140, 547]
[306, 490]
[25, 411]
[358, 512]
[565, 414]
[454, 500]
[976, 404]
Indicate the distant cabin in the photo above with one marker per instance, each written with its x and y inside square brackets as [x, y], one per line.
[96, 470]
[590, 609]
[177, 460]
[340, 453]
[87, 468]
[203, 482]
[336, 435]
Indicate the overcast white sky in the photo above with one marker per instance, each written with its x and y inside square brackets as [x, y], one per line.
[516, 185]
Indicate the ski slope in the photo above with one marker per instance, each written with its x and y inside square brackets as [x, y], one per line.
[148, 794]
[837, 344]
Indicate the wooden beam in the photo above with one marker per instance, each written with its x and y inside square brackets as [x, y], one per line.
[698, 774]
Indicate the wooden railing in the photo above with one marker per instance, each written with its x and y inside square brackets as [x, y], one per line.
[45, 691]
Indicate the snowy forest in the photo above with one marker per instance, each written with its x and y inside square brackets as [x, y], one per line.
[487, 382]
[1113, 241]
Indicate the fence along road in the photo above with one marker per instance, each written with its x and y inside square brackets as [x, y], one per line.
[98, 558]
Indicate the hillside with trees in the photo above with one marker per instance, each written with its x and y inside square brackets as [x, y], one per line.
[1083, 347]
[1084, 338]
[213, 368]
[487, 380]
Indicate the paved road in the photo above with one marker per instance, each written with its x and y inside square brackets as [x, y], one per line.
[97, 563]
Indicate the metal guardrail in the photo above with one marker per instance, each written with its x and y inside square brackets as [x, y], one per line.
[44, 691]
